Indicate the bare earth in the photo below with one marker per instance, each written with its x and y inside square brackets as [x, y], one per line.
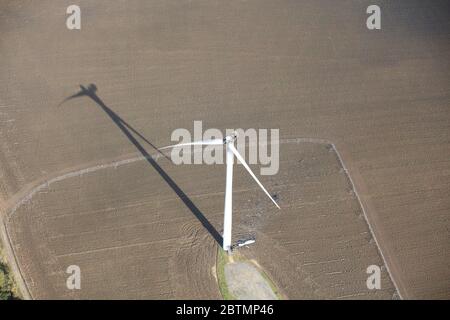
[144, 229]
[246, 283]
[133, 236]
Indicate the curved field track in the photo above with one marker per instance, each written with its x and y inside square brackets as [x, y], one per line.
[308, 68]
[128, 232]
[133, 237]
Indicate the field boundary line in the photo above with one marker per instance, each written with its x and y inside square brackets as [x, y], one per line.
[363, 207]
[27, 193]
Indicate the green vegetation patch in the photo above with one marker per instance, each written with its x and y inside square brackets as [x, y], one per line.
[8, 288]
[271, 284]
[222, 260]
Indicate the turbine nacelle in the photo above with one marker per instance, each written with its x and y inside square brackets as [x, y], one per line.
[230, 138]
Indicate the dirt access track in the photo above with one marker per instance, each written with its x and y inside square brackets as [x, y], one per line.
[311, 69]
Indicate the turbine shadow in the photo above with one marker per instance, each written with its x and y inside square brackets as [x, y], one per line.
[90, 92]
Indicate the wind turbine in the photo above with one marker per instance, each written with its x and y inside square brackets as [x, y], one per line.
[231, 152]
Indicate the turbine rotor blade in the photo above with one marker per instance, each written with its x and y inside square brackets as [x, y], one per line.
[196, 143]
[241, 159]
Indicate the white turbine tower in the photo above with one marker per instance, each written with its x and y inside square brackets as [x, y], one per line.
[231, 151]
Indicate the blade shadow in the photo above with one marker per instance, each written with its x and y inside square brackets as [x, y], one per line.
[90, 92]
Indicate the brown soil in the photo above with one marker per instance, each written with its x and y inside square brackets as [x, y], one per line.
[309, 68]
[133, 237]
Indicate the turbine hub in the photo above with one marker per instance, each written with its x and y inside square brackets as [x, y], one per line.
[230, 138]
